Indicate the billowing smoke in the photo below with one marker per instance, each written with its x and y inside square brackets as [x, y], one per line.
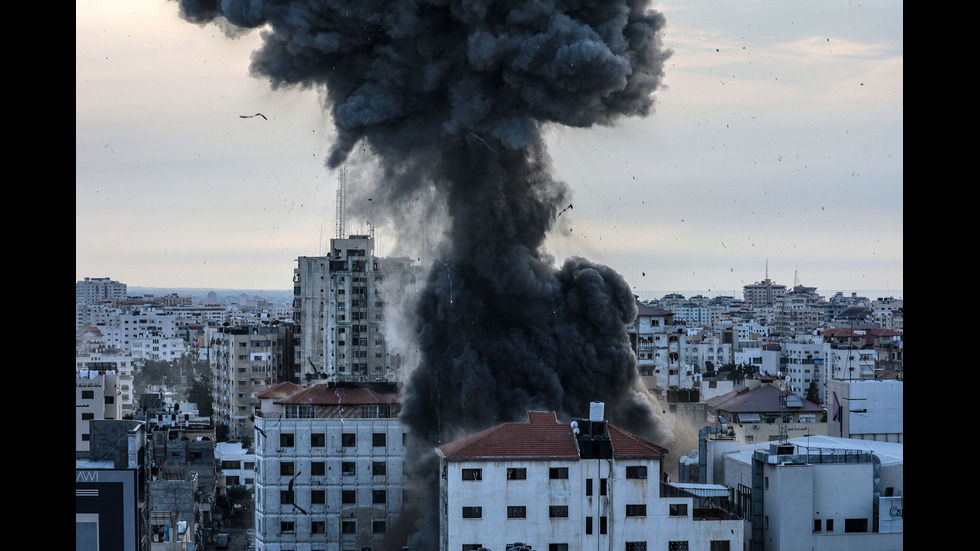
[451, 97]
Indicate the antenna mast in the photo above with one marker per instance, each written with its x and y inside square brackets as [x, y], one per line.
[341, 206]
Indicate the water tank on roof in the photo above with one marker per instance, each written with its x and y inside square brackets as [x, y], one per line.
[597, 411]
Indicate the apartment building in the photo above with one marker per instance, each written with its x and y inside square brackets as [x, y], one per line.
[123, 366]
[570, 487]
[340, 309]
[762, 293]
[121, 328]
[96, 290]
[329, 462]
[799, 311]
[763, 411]
[244, 361]
[97, 398]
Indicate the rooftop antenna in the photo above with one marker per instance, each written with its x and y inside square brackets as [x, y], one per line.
[341, 203]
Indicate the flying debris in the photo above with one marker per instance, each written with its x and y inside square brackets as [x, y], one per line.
[412, 82]
[563, 210]
[484, 142]
[252, 116]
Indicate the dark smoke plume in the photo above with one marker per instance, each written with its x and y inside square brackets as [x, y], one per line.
[451, 98]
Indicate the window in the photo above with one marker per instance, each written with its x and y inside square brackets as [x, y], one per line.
[830, 525]
[348, 496]
[286, 440]
[88, 416]
[379, 468]
[318, 440]
[517, 473]
[636, 546]
[378, 440]
[602, 525]
[603, 486]
[853, 525]
[471, 546]
[318, 497]
[318, 527]
[287, 527]
[588, 525]
[588, 486]
[348, 440]
[379, 526]
[348, 468]
[286, 497]
[380, 496]
[677, 546]
[318, 468]
[816, 525]
[286, 468]
[678, 509]
[472, 474]
[638, 471]
[558, 511]
[472, 512]
[516, 511]
[558, 473]
[88, 395]
[639, 510]
[720, 545]
[557, 547]
[348, 526]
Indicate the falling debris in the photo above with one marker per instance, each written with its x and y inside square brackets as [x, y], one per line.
[563, 210]
[504, 329]
[484, 142]
[252, 116]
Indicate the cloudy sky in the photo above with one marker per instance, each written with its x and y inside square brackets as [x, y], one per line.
[777, 142]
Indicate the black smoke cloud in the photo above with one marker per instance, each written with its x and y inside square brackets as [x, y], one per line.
[451, 97]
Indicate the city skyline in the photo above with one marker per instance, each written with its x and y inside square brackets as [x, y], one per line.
[774, 149]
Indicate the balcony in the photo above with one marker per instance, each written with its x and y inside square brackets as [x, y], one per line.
[709, 501]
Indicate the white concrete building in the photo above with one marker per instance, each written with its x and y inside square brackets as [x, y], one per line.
[329, 463]
[236, 465]
[97, 398]
[570, 487]
[121, 365]
[122, 327]
[816, 493]
[158, 348]
[866, 410]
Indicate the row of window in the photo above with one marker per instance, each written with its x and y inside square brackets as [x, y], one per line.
[319, 468]
[319, 440]
[347, 526]
[561, 511]
[554, 473]
[319, 497]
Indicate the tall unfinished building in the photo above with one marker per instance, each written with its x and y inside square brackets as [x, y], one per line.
[340, 306]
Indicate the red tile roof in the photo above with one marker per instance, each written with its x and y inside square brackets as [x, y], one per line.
[542, 437]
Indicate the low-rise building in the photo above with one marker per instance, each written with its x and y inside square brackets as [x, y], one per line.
[762, 411]
[571, 486]
[819, 492]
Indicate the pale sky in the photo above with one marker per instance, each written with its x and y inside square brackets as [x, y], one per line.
[778, 140]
